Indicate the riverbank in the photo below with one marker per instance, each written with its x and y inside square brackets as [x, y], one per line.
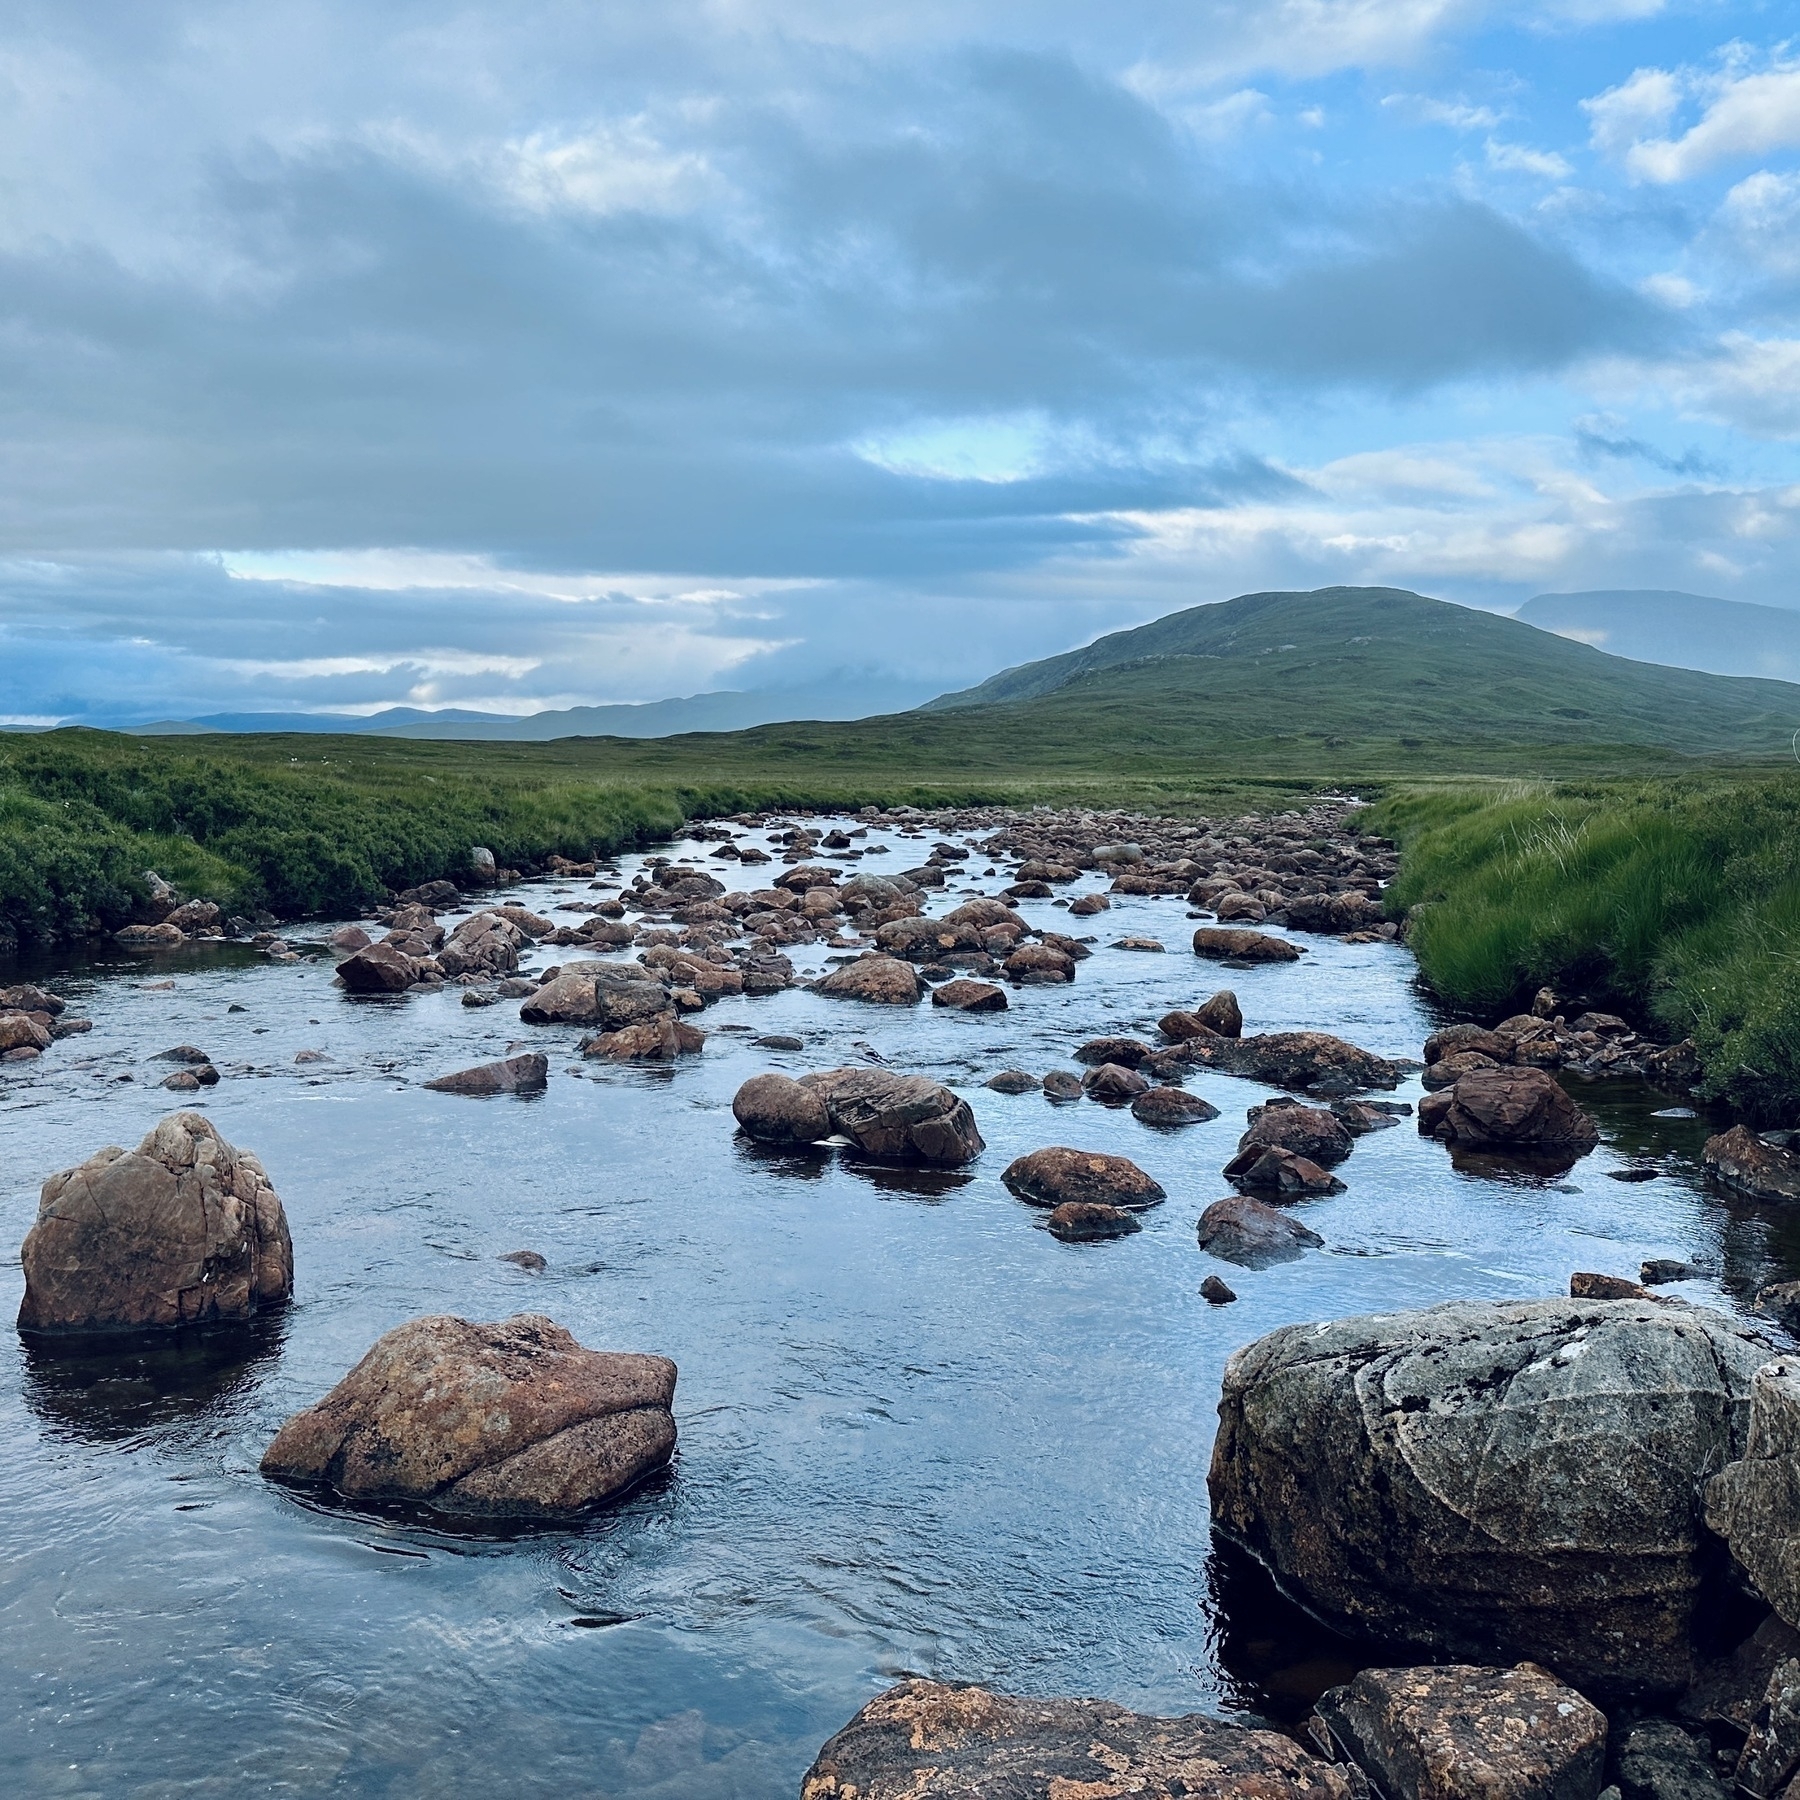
[1677, 902]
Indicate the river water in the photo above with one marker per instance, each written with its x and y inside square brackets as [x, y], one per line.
[917, 1434]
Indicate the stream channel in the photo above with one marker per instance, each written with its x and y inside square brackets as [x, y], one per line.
[917, 1433]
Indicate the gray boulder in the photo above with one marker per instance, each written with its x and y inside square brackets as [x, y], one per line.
[899, 1118]
[1754, 1504]
[1494, 1480]
[524, 1074]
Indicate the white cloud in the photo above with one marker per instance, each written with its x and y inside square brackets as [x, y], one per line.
[1517, 159]
[1457, 114]
[1751, 384]
[1762, 217]
[1670, 290]
[1744, 112]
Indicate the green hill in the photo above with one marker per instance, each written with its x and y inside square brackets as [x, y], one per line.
[1381, 664]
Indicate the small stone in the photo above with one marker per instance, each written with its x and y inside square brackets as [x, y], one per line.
[1113, 1085]
[1168, 1107]
[1234, 944]
[526, 1259]
[1661, 1270]
[777, 1040]
[183, 1081]
[1013, 1081]
[1215, 1293]
[1060, 1084]
[1149, 944]
[1269, 1169]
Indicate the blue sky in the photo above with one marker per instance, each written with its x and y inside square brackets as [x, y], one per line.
[525, 355]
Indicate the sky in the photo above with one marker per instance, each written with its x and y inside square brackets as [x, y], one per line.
[544, 353]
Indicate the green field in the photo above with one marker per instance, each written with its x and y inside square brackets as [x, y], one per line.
[1568, 817]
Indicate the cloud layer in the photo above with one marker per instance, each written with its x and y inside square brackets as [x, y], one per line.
[553, 353]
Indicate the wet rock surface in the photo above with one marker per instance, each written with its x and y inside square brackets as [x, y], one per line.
[524, 1074]
[899, 1118]
[1449, 1732]
[1252, 1233]
[183, 1230]
[926, 1740]
[1504, 1110]
[1489, 1480]
[1057, 1174]
[509, 1420]
[1742, 1160]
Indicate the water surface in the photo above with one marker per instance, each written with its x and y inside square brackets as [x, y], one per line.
[917, 1434]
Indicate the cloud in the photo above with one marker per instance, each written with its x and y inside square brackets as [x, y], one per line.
[1459, 115]
[1744, 112]
[1518, 159]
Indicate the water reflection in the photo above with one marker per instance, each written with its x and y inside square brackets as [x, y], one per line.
[106, 1386]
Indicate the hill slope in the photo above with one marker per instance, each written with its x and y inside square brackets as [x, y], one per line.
[1381, 664]
[1687, 631]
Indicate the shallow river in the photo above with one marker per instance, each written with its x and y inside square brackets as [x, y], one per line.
[916, 1432]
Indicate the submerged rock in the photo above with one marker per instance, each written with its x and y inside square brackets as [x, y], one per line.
[526, 1074]
[1076, 1221]
[514, 1419]
[1494, 1480]
[1241, 1230]
[1455, 1731]
[182, 1230]
[927, 1740]
[1051, 1176]
[1269, 1169]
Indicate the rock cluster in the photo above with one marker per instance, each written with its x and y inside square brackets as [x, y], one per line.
[1592, 1044]
[1508, 1111]
[886, 1116]
[31, 1020]
[183, 1230]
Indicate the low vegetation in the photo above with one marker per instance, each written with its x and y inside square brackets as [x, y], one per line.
[1677, 900]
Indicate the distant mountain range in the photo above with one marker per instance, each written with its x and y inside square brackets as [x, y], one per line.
[833, 697]
[1683, 631]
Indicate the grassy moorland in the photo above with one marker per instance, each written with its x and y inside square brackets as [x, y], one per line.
[1679, 899]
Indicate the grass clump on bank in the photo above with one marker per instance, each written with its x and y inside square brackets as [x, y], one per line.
[1679, 900]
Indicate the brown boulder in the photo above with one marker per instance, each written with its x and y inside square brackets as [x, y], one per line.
[1040, 965]
[1457, 1040]
[1077, 1221]
[926, 1740]
[348, 939]
[380, 969]
[970, 996]
[1450, 1732]
[1086, 905]
[1222, 1014]
[775, 1109]
[1226, 943]
[1584, 1284]
[148, 937]
[1308, 1131]
[881, 980]
[1128, 1053]
[1182, 1027]
[514, 1419]
[181, 1230]
[1269, 1169]
[525, 1074]
[899, 1118]
[1447, 1071]
[1332, 912]
[1112, 1084]
[19, 1031]
[1013, 1081]
[1253, 1234]
[1307, 1061]
[610, 995]
[1172, 1106]
[660, 1039]
[1741, 1160]
[1061, 1085]
[1051, 1176]
[1508, 1110]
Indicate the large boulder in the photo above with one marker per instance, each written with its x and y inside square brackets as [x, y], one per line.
[1253, 1234]
[1170, 1107]
[1467, 1039]
[776, 1109]
[1494, 1480]
[1112, 1084]
[1040, 965]
[662, 1038]
[1754, 1504]
[380, 969]
[20, 1031]
[486, 944]
[1508, 1110]
[899, 1118]
[524, 1074]
[970, 996]
[1332, 912]
[1311, 1062]
[1741, 1160]
[882, 980]
[1229, 943]
[928, 1740]
[182, 1230]
[1051, 1176]
[1308, 1131]
[1222, 1014]
[1447, 1733]
[513, 1420]
[1270, 1169]
[610, 995]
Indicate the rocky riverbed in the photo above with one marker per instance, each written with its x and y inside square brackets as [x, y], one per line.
[946, 1405]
